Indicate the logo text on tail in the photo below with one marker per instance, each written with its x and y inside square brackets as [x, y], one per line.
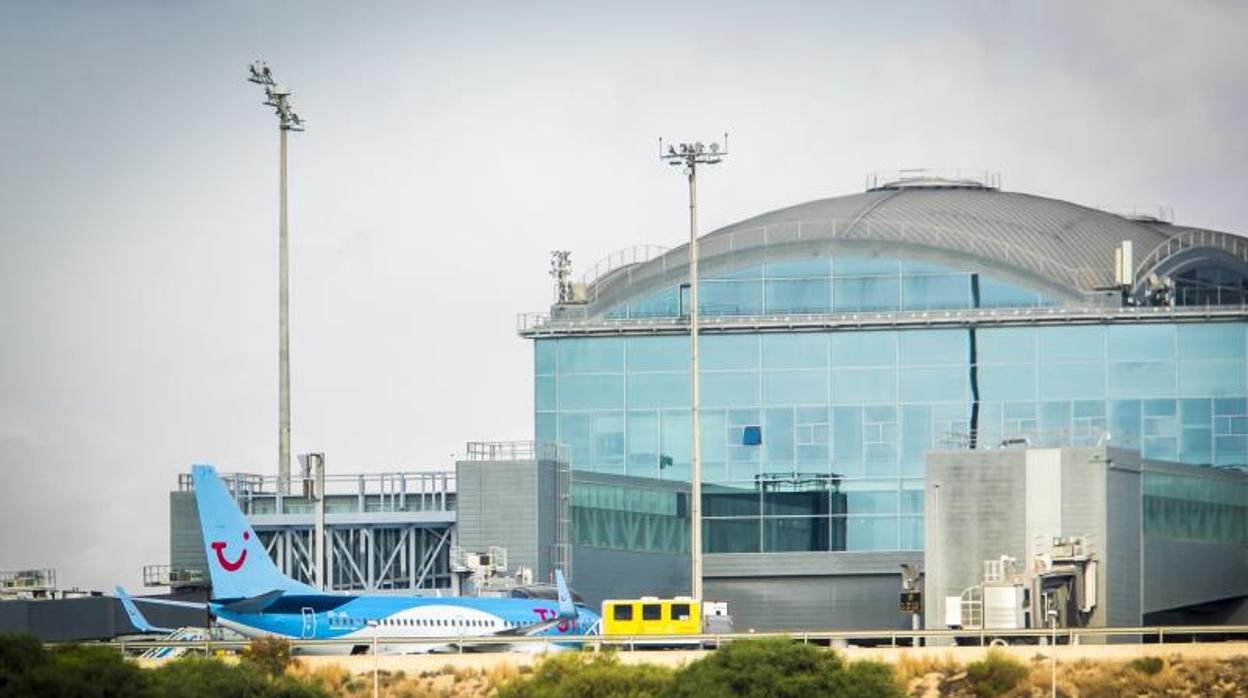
[219, 547]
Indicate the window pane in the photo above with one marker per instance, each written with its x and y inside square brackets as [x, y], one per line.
[1141, 342]
[729, 388]
[658, 353]
[1009, 345]
[936, 291]
[799, 296]
[933, 348]
[588, 392]
[544, 393]
[863, 386]
[795, 388]
[731, 297]
[1211, 341]
[863, 348]
[1072, 343]
[544, 353]
[658, 390]
[795, 534]
[803, 350]
[728, 351]
[731, 535]
[1072, 381]
[1142, 379]
[598, 355]
[859, 293]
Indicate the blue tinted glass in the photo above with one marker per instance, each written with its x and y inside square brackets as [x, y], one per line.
[1212, 341]
[643, 444]
[931, 384]
[1196, 412]
[865, 266]
[597, 355]
[546, 428]
[658, 353]
[731, 297]
[753, 272]
[1141, 342]
[933, 347]
[998, 294]
[1072, 381]
[803, 350]
[714, 452]
[799, 296]
[658, 390]
[872, 497]
[718, 351]
[1007, 345]
[574, 432]
[795, 388]
[812, 268]
[1072, 343]
[1124, 422]
[590, 392]
[731, 535]
[544, 393]
[778, 438]
[608, 441]
[872, 533]
[544, 353]
[936, 291]
[674, 429]
[911, 532]
[916, 434]
[662, 304]
[846, 434]
[1141, 379]
[1211, 377]
[1007, 382]
[729, 388]
[863, 293]
[863, 386]
[795, 534]
[864, 348]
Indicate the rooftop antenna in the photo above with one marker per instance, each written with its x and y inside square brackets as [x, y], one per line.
[690, 156]
[278, 97]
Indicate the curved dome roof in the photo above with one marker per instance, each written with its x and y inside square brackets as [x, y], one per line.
[1064, 248]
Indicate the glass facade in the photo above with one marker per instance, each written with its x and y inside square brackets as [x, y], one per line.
[815, 440]
[1195, 508]
[841, 284]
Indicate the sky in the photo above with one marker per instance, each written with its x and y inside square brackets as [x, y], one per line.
[450, 147]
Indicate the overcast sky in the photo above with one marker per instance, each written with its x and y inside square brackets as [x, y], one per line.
[450, 147]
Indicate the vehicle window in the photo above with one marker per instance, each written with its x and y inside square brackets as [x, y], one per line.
[651, 611]
[680, 611]
[622, 612]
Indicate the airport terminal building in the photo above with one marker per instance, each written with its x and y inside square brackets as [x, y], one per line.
[845, 340]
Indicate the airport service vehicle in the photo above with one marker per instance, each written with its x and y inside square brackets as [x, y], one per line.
[252, 597]
[651, 615]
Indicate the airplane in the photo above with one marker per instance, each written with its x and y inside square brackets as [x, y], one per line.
[251, 596]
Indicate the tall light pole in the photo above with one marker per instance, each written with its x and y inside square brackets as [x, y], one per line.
[278, 97]
[690, 155]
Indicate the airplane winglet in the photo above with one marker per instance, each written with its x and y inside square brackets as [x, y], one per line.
[567, 609]
[137, 619]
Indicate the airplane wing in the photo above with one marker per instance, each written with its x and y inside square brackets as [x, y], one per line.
[136, 617]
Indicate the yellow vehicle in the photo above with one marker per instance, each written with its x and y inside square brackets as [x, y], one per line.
[652, 616]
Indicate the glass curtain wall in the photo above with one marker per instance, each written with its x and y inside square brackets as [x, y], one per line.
[815, 440]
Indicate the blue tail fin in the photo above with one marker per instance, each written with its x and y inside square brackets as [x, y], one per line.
[237, 561]
[137, 619]
[567, 609]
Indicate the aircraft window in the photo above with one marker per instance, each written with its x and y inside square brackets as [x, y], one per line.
[622, 612]
[651, 611]
[680, 611]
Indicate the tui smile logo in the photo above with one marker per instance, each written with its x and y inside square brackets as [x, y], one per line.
[219, 547]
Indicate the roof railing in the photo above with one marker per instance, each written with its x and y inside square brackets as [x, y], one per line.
[637, 254]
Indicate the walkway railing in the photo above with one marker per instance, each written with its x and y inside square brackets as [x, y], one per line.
[887, 637]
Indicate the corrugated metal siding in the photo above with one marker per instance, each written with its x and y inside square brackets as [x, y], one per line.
[498, 505]
[811, 603]
[1123, 553]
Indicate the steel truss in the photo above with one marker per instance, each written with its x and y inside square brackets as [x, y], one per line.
[367, 557]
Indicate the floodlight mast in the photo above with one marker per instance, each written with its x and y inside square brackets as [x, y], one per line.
[691, 155]
[278, 97]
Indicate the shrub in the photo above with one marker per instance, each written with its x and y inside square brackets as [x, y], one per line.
[190, 677]
[1149, 666]
[778, 668]
[272, 654]
[27, 669]
[589, 676]
[995, 674]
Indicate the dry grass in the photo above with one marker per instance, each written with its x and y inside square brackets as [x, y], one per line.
[446, 682]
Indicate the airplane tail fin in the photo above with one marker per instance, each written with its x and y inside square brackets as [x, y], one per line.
[567, 608]
[238, 564]
[137, 619]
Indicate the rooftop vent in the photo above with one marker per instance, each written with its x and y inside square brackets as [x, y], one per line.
[933, 179]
